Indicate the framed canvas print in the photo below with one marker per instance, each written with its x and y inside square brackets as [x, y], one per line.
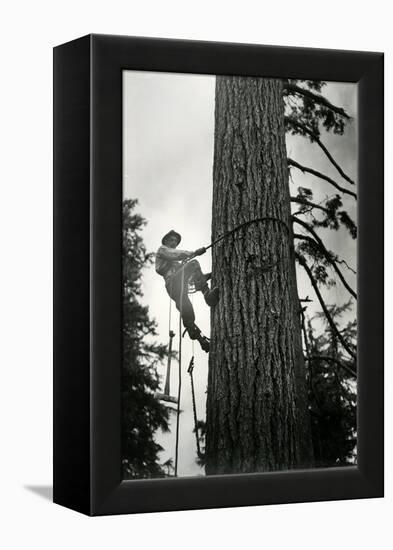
[218, 275]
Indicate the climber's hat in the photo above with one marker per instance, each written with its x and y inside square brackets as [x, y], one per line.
[171, 233]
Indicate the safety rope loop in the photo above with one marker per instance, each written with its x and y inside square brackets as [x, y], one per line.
[190, 372]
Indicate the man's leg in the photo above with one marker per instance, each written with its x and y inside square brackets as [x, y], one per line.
[193, 269]
[200, 282]
[177, 288]
[178, 292]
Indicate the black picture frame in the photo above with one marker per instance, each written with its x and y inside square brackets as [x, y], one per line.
[87, 275]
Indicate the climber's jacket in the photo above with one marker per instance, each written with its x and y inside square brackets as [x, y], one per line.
[168, 260]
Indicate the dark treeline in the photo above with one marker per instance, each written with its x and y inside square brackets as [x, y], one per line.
[142, 414]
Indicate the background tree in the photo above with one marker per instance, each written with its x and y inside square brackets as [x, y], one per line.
[330, 349]
[257, 402]
[332, 390]
[143, 414]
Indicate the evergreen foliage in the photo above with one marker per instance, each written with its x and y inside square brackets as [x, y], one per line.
[142, 413]
[331, 368]
[305, 106]
[332, 391]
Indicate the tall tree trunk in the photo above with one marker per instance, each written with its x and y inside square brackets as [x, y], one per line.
[256, 400]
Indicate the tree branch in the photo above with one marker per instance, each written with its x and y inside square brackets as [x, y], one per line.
[324, 251]
[315, 97]
[309, 239]
[303, 263]
[341, 261]
[308, 358]
[315, 138]
[333, 360]
[303, 323]
[321, 176]
[308, 203]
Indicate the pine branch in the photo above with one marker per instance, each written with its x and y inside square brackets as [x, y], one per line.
[308, 203]
[333, 360]
[321, 176]
[329, 318]
[315, 138]
[315, 97]
[337, 260]
[324, 251]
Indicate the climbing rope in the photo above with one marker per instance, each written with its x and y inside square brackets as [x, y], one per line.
[171, 336]
[179, 386]
[245, 224]
[166, 396]
[228, 234]
[170, 312]
[194, 409]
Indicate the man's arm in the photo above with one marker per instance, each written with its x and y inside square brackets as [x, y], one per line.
[173, 254]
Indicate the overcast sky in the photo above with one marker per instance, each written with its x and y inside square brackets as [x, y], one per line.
[168, 133]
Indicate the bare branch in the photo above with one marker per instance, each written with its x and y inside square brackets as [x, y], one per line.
[316, 97]
[341, 261]
[315, 138]
[321, 176]
[303, 263]
[333, 360]
[303, 323]
[324, 251]
[308, 358]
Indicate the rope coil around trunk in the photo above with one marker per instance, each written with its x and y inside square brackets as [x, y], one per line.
[245, 224]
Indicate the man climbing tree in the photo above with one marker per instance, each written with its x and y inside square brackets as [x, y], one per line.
[177, 278]
[257, 406]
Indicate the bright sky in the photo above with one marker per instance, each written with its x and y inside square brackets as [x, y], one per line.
[168, 132]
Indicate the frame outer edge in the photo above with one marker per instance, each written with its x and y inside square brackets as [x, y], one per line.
[71, 286]
[109, 494]
[371, 276]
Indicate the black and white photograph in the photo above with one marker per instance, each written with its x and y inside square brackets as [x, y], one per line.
[239, 266]
[195, 275]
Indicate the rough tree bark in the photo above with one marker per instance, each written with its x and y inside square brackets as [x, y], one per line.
[256, 400]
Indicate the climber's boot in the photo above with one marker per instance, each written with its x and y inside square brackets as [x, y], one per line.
[195, 334]
[204, 342]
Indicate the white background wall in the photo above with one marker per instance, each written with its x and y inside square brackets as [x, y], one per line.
[28, 31]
